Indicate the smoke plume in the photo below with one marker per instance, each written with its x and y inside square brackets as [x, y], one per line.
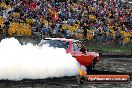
[19, 62]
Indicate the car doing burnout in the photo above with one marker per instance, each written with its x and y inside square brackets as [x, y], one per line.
[76, 49]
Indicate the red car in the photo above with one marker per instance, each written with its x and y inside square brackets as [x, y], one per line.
[77, 50]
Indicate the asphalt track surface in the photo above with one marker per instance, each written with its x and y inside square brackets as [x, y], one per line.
[105, 66]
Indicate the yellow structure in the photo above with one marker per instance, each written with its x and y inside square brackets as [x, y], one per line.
[19, 29]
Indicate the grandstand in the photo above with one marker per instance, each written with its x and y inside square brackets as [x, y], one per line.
[101, 21]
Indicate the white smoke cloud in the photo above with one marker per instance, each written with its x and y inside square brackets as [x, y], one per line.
[18, 61]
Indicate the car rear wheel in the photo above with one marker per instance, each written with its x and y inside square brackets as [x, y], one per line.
[81, 79]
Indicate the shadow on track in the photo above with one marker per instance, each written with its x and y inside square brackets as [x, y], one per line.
[97, 72]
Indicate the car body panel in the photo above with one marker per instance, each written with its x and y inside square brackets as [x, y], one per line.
[84, 58]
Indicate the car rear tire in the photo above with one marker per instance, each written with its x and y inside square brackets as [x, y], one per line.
[81, 79]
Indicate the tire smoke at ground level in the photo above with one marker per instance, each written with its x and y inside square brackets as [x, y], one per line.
[18, 61]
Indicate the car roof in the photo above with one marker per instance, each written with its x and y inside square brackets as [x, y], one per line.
[62, 39]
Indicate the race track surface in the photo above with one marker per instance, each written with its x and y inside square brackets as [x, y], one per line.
[105, 66]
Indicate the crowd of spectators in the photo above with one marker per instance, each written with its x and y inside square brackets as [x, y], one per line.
[101, 21]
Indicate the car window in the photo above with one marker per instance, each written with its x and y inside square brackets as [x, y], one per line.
[81, 47]
[77, 46]
[55, 43]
